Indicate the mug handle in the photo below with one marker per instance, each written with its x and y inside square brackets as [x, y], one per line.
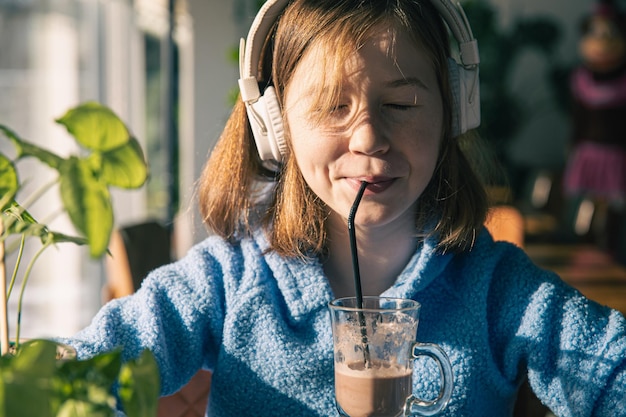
[418, 407]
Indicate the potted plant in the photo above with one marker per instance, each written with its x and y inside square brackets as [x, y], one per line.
[34, 378]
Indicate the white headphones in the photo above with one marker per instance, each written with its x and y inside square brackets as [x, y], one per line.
[264, 111]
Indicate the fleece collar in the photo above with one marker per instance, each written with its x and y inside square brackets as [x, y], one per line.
[424, 267]
[306, 289]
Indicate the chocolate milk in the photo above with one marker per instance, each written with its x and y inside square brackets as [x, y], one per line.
[379, 391]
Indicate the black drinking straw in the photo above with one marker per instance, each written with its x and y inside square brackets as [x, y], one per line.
[355, 255]
[357, 273]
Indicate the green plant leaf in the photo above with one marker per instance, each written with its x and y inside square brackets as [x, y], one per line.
[58, 237]
[19, 221]
[26, 380]
[86, 385]
[23, 396]
[88, 203]
[139, 386]
[101, 370]
[35, 383]
[78, 408]
[8, 182]
[95, 126]
[124, 166]
[36, 358]
[24, 149]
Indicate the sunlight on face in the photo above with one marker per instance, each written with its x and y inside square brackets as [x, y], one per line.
[385, 128]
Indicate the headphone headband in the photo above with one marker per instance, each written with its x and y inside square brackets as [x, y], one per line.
[261, 26]
[267, 128]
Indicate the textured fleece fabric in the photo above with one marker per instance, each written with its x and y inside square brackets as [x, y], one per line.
[260, 322]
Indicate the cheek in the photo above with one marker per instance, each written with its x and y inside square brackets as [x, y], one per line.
[425, 160]
[311, 151]
[305, 143]
[424, 148]
[310, 144]
[427, 140]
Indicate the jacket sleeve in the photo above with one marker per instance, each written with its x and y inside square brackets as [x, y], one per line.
[572, 349]
[178, 314]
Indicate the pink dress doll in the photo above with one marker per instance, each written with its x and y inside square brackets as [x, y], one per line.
[596, 169]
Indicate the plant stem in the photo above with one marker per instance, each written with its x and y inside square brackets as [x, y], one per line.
[4, 320]
[24, 281]
[17, 266]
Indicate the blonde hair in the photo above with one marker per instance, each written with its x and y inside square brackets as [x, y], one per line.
[454, 204]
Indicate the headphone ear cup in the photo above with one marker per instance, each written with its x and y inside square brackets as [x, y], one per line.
[465, 98]
[266, 122]
[274, 123]
[455, 88]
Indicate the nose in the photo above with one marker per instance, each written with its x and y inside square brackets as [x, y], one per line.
[368, 136]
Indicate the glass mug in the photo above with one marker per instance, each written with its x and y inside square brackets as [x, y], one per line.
[374, 352]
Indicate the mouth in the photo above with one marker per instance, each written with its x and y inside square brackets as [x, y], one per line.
[375, 184]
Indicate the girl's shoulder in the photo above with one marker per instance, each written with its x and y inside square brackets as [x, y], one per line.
[487, 253]
[500, 267]
[220, 249]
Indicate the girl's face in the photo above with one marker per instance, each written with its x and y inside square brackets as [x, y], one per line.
[385, 129]
[603, 47]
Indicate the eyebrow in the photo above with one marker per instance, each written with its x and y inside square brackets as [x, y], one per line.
[408, 81]
[399, 83]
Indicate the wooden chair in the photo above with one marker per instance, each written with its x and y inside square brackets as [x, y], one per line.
[506, 222]
[135, 251]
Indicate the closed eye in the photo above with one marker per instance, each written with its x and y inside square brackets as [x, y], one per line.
[339, 109]
[403, 107]
[331, 113]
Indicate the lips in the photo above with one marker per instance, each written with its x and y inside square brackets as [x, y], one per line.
[376, 184]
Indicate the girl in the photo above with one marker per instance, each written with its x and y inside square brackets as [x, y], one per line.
[364, 94]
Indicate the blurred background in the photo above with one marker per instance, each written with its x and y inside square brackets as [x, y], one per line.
[168, 69]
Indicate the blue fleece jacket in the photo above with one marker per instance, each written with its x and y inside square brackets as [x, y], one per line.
[260, 322]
